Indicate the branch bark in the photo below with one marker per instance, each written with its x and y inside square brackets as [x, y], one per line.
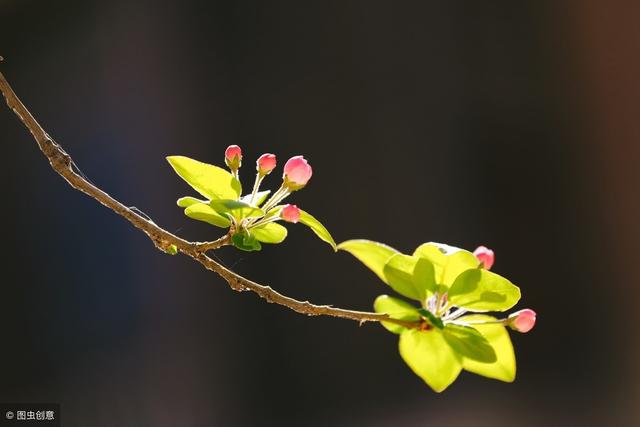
[62, 163]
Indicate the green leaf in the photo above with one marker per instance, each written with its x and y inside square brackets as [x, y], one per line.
[469, 343]
[430, 357]
[482, 290]
[269, 233]
[396, 309]
[204, 212]
[372, 254]
[309, 220]
[410, 276]
[504, 368]
[448, 261]
[210, 181]
[433, 319]
[261, 196]
[245, 242]
[185, 202]
[239, 210]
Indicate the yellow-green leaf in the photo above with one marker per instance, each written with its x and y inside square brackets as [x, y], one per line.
[204, 212]
[310, 221]
[482, 290]
[209, 180]
[269, 233]
[372, 254]
[469, 343]
[410, 276]
[396, 309]
[504, 368]
[430, 357]
[239, 210]
[185, 202]
[448, 261]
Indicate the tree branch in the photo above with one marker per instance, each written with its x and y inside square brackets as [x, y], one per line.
[62, 163]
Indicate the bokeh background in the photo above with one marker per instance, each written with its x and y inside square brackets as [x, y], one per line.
[510, 124]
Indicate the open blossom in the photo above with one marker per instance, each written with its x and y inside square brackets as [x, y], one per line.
[522, 321]
[233, 157]
[297, 172]
[485, 256]
[290, 213]
[266, 163]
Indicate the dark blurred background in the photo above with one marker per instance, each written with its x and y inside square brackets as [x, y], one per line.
[509, 124]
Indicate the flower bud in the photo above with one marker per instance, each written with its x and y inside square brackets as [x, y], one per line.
[522, 321]
[266, 163]
[290, 213]
[233, 157]
[297, 172]
[485, 256]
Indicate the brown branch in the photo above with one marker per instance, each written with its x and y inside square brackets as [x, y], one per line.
[62, 163]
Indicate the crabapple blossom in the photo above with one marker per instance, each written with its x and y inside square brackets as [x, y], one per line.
[522, 321]
[233, 158]
[297, 172]
[266, 163]
[290, 213]
[485, 256]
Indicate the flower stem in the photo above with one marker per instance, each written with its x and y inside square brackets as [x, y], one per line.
[276, 198]
[452, 316]
[256, 186]
[481, 322]
[263, 221]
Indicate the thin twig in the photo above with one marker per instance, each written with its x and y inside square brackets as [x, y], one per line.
[62, 163]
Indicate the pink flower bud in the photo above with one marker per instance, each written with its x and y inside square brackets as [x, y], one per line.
[297, 172]
[233, 157]
[290, 213]
[522, 321]
[266, 163]
[485, 256]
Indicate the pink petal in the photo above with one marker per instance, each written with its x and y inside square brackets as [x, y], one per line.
[523, 320]
[290, 213]
[297, 171]
[233, 151]
[485, 256]
[266, 163]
